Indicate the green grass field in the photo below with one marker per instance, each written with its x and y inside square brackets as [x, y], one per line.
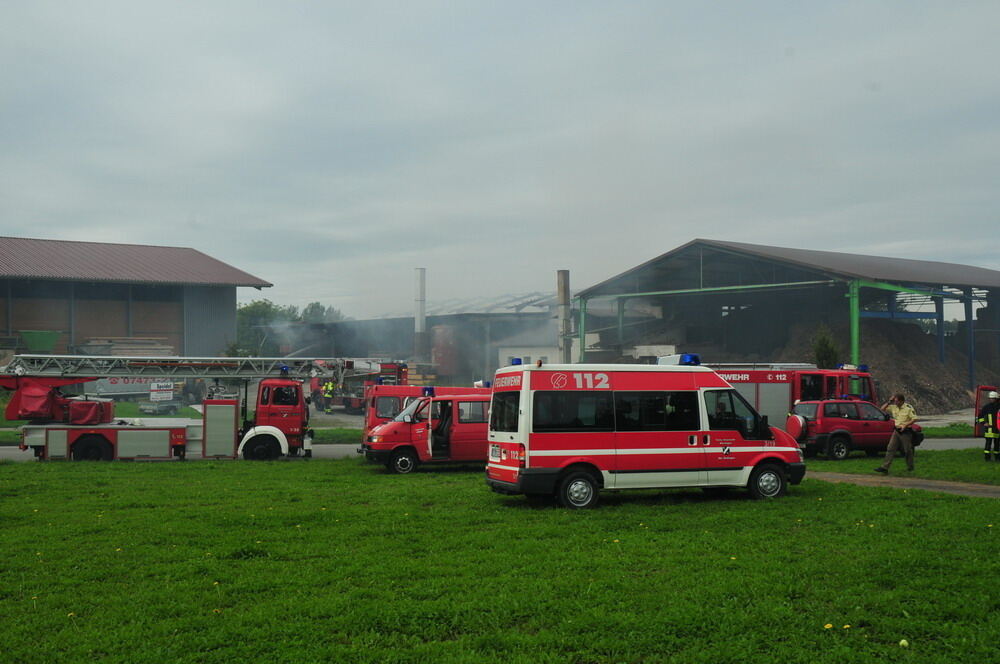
[953, 465]
[316, 561]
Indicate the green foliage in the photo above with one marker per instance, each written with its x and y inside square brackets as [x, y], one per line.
[315, 312]
[339, 561]
[825, 353]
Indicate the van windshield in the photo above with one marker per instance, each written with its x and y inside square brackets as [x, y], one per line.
[411, 409]
[504, 411]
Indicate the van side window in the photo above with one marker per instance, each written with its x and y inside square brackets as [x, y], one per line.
[560, 411]
[471, 411]
[265, 395]
[656, 411]
[728, 411]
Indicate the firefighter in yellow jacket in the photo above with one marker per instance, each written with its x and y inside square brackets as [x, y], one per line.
[991, 432]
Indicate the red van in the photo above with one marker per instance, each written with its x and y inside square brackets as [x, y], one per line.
[573, 430]
[384, 402]
[456, 431]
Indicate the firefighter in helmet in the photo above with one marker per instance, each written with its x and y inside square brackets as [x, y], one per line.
[991, 432]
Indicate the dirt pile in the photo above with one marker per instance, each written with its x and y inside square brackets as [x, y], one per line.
[902, 358]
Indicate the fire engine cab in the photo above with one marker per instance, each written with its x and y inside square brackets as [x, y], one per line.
[573, 430]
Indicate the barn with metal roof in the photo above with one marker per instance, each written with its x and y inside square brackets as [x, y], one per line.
[64, 296]
[741, 299]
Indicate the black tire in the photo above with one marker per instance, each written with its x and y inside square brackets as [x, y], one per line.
[93, 448]
[767, 481]
[579, 490]
[838, 448]
[261, 448]
[403, 462]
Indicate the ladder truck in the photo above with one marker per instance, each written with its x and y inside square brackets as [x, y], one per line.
[84, 428]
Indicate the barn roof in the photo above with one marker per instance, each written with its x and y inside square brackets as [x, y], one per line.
[834, 265]
[26, 258]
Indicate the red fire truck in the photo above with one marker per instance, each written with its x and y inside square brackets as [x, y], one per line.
[774, 388]
[351, 391]
[572, 430]
[82, 428]
[431, 429]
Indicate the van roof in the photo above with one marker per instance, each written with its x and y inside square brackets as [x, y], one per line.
[680, 368]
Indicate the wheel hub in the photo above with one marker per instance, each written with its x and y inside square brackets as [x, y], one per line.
[768, 483]
[579, 492]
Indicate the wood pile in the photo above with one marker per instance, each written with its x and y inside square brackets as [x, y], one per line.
[127, 346]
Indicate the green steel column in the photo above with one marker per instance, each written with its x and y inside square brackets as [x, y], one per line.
[583, 329]
[854, 290]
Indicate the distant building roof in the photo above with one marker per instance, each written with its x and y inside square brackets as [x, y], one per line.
[26, 258]
[834, 264]
[488, 304]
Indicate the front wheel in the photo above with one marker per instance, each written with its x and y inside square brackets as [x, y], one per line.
[767, 481]
[403, 462]
[261, 448]
[579, 490]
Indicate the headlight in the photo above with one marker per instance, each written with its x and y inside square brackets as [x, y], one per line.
[374, 439]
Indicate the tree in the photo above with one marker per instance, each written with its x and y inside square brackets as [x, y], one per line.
[262, 326]
[315, 312]
[825, 353]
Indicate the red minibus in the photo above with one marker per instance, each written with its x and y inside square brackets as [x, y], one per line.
[385, 402]
[573, 430]
[456, 432]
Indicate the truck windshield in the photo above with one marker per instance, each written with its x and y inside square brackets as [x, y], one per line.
[504, 411]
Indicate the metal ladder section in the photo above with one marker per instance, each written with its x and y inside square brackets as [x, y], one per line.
[97, 366]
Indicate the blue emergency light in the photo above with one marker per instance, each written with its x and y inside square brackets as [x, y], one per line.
[284, 370]
[380, 381]
[515, 361]
[428, 391]
[487, 383]
[690, 359]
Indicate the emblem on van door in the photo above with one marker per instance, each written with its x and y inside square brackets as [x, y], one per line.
[559, 380]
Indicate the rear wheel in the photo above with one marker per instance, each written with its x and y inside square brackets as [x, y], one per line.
[579, 490]
[261, 448]
[403, 462]
[838, 448]
[767, 481]
[93, 448]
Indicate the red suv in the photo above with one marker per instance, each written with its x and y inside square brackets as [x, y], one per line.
[835, 427]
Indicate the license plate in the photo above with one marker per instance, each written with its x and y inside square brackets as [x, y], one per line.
[494, 452]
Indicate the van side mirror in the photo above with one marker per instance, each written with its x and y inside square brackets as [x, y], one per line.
[765, 428]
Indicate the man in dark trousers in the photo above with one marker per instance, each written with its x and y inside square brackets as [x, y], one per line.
[904, 417]
[991, 432]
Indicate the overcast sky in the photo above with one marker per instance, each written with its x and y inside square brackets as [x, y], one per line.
[331, 148]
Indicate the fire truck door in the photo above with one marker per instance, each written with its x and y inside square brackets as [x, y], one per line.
[468, 432]
[658, 441]
[281, 407]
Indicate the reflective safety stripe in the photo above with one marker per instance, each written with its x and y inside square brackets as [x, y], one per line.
[659, 450]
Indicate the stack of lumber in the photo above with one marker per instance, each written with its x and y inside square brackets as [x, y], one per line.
[128, 346]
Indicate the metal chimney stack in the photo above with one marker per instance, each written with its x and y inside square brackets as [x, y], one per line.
[420, 339]
[565, 330]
